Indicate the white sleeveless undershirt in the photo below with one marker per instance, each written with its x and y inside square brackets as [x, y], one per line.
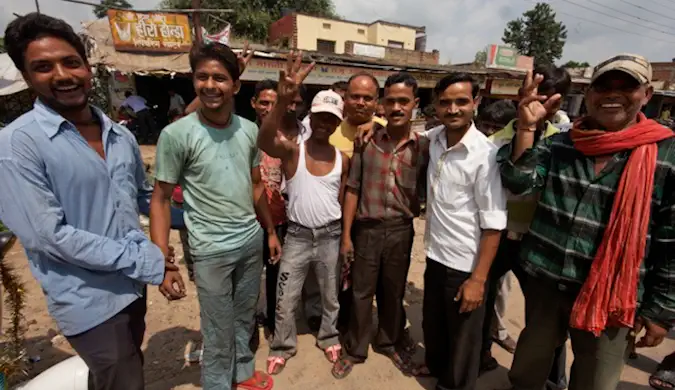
[313, 200]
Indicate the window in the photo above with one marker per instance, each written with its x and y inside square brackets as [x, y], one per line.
[326, 26]
[395, 44]
[323, 46]
[362, 31]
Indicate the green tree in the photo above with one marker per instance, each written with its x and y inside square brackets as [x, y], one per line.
[101, 11]
[575, 64]
[251, 19]
[480, 58]
[537, 34]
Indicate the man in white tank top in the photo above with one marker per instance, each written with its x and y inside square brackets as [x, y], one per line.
[315, 173]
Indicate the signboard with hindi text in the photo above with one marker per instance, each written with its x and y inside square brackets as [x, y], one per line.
[145, 31]
[504, 57]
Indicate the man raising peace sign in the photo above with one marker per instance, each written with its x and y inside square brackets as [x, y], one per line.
[315, 174]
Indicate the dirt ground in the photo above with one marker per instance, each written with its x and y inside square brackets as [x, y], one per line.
[171, 325]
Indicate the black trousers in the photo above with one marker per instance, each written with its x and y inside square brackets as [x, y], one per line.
[271, 275]
[146, 125]
[508, 259]
[452, 339]
[112, 350]
[381, 262]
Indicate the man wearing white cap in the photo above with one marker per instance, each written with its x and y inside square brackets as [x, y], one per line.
[315, 173]
[600, 249]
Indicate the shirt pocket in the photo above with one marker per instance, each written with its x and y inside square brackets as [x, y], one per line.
[454, 187]
[123, 177]
[407, 168]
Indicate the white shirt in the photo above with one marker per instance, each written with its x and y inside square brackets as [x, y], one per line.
[176, 103]
[465, 195]
[135, 102]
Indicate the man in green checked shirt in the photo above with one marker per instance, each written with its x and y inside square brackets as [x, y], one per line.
[581, 248]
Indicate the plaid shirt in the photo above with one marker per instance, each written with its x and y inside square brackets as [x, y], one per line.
[574, 210]
[388, 179]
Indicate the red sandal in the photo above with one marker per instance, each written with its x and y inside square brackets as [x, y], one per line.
[275, 364]
[259, 381]
[332, 353]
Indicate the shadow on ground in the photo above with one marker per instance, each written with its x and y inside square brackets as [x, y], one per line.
[169, 345]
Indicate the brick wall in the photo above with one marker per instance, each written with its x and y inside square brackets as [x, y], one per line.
[285, 28]
[402, 56]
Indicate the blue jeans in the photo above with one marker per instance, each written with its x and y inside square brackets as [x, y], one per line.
[227, 289]
[304, 249]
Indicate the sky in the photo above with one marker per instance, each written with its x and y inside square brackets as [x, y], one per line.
[460, 28]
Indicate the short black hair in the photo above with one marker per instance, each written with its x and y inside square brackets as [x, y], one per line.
[402, 77]
[215, 51]
[556, 79]
[364, 74]
[264, 85]
[454, 78]
[339, 86]
[500, 112]
[26, 29]
[127, 93]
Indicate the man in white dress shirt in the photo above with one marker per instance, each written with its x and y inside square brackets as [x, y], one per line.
[466, 210]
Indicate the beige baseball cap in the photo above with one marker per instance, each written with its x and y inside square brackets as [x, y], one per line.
[635, 65]
[328, 101]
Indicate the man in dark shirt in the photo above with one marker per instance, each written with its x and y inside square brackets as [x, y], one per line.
[381, 202]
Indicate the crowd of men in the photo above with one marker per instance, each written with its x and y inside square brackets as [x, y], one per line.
[585, 219]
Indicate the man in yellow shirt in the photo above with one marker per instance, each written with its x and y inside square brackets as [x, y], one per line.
[361, 101]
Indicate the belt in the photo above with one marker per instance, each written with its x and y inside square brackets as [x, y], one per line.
[514, 236]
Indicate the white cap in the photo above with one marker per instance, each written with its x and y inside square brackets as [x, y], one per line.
[328, 101]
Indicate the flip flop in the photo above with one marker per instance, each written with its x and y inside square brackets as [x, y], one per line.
[342, 368]
[663, 380]
[332, 353]
[275, 364]
[259, 381]
[421, 371]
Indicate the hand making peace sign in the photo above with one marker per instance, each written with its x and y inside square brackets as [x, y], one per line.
[293, 76]
[533, 107]
[244, 57]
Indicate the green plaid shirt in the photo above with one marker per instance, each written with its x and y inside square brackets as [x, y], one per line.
[574, 209]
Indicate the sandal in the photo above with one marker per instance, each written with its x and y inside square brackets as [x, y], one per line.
[332, 353]
[664, 377]
[401, 361]
[275, 364]
[259, 381]
[342, 368]
[487, 364]
[421, 371]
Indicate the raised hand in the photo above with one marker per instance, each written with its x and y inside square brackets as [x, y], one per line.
[293, 76]
[244, 57]
[532, 107]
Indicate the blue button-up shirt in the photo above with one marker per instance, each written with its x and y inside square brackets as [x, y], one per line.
[76, 215]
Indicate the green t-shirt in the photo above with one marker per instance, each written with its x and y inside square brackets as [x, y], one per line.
[213, 167]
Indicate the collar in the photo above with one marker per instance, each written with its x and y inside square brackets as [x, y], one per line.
[468, 141]
[51, 122]
[381, 134]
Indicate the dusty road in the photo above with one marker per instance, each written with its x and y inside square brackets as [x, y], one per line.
[171, 325]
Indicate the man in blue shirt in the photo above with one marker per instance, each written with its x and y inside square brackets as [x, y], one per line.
[71, 181]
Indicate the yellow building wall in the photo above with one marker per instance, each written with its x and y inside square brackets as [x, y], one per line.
[311, 28]
[383, 33]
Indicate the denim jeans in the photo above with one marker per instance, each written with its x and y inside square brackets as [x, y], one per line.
[305, 247]
[227, 289]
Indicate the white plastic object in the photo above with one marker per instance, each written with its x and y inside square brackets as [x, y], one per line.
[70, 374]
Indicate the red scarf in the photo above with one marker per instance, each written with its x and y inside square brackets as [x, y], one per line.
[608, 297]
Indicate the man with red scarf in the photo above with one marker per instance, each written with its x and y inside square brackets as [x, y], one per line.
[602, 243]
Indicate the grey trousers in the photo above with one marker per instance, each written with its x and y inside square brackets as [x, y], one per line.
[227, 289]
[303, 247]
[598, 361]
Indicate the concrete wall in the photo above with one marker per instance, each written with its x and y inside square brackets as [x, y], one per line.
[310, 29]
[385, 32]
[403, 56]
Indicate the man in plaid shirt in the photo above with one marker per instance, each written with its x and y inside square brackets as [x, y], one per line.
[380, 204]
[578, 191]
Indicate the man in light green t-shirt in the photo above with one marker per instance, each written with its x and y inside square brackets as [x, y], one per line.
[212, 154]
